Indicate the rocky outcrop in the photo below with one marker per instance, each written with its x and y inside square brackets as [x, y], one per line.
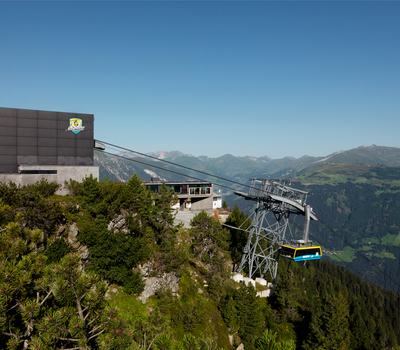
[156, 284]
[73, 232]
[118, 223]
[147, 269]
[72, 239]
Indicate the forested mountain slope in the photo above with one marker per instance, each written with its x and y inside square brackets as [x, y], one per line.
[361, 203]
[70, 277]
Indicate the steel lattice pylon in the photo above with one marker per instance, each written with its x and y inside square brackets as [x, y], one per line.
[268, 232]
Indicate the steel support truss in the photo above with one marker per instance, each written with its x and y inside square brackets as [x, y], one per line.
[268, 232]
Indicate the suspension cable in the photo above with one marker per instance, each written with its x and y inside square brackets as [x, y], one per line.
[178, 165]
[233, 189]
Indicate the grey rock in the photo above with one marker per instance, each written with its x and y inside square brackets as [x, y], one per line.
[147, 269]
[153, 285]
[72, 239]
[83, 252]
[72, 234]
[118, 223]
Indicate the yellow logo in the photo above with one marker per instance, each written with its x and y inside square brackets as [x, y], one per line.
[75, 125]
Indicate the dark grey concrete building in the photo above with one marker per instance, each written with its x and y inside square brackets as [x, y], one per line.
[42, 144]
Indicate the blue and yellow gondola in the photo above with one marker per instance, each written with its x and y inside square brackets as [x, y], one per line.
[301, 253]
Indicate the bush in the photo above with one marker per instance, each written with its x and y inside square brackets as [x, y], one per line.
[57, 250]
[133, 284]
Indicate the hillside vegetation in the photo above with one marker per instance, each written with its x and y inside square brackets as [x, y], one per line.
[361, 204]
[72, 274]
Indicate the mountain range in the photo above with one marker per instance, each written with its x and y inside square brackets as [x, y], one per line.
[122, 166]
[356, 193]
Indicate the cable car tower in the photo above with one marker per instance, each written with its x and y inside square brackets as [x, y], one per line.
[267, 234]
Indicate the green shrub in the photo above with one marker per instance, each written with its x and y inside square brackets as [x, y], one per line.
[133, 283]
[57, 250]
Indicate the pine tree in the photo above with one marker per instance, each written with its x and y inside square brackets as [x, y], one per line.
[230, 314]
[163, 218]
[91, 189]
[360, 337]
[206, 232]
[21, 301]
[329, 326]
[249, 315]
[131, 193]
[238, 238]
[190, 342]
[81, 315]
[288, 296]
[44, 306]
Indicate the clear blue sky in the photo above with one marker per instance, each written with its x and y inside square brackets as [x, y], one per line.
[210, 78]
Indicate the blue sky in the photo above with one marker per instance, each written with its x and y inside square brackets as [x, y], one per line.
[211, 77]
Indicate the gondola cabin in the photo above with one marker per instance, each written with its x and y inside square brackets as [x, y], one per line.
[301, 253]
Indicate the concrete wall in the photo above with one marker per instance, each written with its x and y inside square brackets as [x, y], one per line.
[64, 173]
[199, 204]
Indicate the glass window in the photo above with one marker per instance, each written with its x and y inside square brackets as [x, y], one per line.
[286, 251]
[310, 251]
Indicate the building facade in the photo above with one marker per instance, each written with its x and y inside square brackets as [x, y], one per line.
[217, 201]
[36, 144]
[193, 196]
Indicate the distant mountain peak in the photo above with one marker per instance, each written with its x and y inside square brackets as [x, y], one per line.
[165, 154]
[329, 156]
[265, 157]
[365, 146]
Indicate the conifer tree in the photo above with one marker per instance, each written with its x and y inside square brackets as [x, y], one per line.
[81, 315]
[238, 238]
[44, 306]
[163, 218]
[249, 315]
[230, 313]
[287, 296]
[21, 300]
[329, 326]
[207, 232]
[131, 193]
[360, 337]
[91, 189]
[190, 342]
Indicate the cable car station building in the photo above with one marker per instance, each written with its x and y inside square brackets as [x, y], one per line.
[56, 146]
[193, 195]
